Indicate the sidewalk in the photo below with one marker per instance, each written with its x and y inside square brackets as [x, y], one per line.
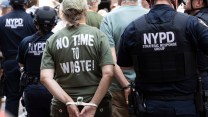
[22, 112]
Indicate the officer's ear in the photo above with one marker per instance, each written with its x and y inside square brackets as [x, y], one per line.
[176, 3]
[150, 2]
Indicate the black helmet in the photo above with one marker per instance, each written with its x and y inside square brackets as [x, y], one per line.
[17, 2]
[45, 16]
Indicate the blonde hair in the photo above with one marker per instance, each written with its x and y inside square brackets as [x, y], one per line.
[72, 17]
[93, 3]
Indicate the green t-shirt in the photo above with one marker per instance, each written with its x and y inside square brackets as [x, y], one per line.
[93, 19]
[77, 55]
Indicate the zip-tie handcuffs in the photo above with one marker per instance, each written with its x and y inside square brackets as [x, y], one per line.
[80, 103]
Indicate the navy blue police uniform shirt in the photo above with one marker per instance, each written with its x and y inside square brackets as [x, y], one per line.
[30, 52]
[196, 32]
[14, 27]
[203, 59]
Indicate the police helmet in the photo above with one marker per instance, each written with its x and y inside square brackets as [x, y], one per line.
[45, 15]
[17, 2]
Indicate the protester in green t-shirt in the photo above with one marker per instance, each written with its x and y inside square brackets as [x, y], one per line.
[93, 18]
[80, 57]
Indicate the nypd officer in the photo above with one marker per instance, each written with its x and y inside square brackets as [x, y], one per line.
[14, 27]
[200, 10]
[36, 97]
[163, 54]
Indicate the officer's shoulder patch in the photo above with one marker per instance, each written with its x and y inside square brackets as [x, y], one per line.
[202, 22]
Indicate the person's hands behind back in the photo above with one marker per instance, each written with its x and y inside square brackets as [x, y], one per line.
[88, 111]
[73, 111]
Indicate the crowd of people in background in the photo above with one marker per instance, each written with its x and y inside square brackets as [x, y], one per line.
[74, 59]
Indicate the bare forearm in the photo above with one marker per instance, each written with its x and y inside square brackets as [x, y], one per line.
[54, 88]
[120, 76]
[118, 72]
[103, 86]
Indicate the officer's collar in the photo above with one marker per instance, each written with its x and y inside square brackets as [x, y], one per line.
[203, 10]
[37, 34]
[19, 9]
[197, 11]
[160, 13]
[162, 6]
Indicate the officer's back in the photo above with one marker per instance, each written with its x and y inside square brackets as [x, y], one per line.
[200, 10]
[162, 47]
[14, 27]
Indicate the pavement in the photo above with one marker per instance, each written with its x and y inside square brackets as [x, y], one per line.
[22, 111]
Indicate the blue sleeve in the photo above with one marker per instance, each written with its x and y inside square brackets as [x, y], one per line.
[197, 32]
[21, 51]
[1, 36]
[128, 38]
[107, 28]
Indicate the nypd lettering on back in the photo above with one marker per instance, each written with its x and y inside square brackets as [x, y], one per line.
[77, 65]
[159, 41]
[36, 48]
[14, 22]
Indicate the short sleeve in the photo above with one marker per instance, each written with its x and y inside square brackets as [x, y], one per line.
[107, 29]
[47, 61]
[106, 55]
[23, 46]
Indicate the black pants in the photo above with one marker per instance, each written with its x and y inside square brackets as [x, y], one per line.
[37, 100]
[12, 86]
[157, 108]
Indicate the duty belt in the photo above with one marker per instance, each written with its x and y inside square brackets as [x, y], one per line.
[33, 79]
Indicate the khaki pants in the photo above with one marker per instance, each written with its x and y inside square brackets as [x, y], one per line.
[119, 106]
[104, 109]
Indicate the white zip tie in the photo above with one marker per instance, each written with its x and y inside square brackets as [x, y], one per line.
[81, 103]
